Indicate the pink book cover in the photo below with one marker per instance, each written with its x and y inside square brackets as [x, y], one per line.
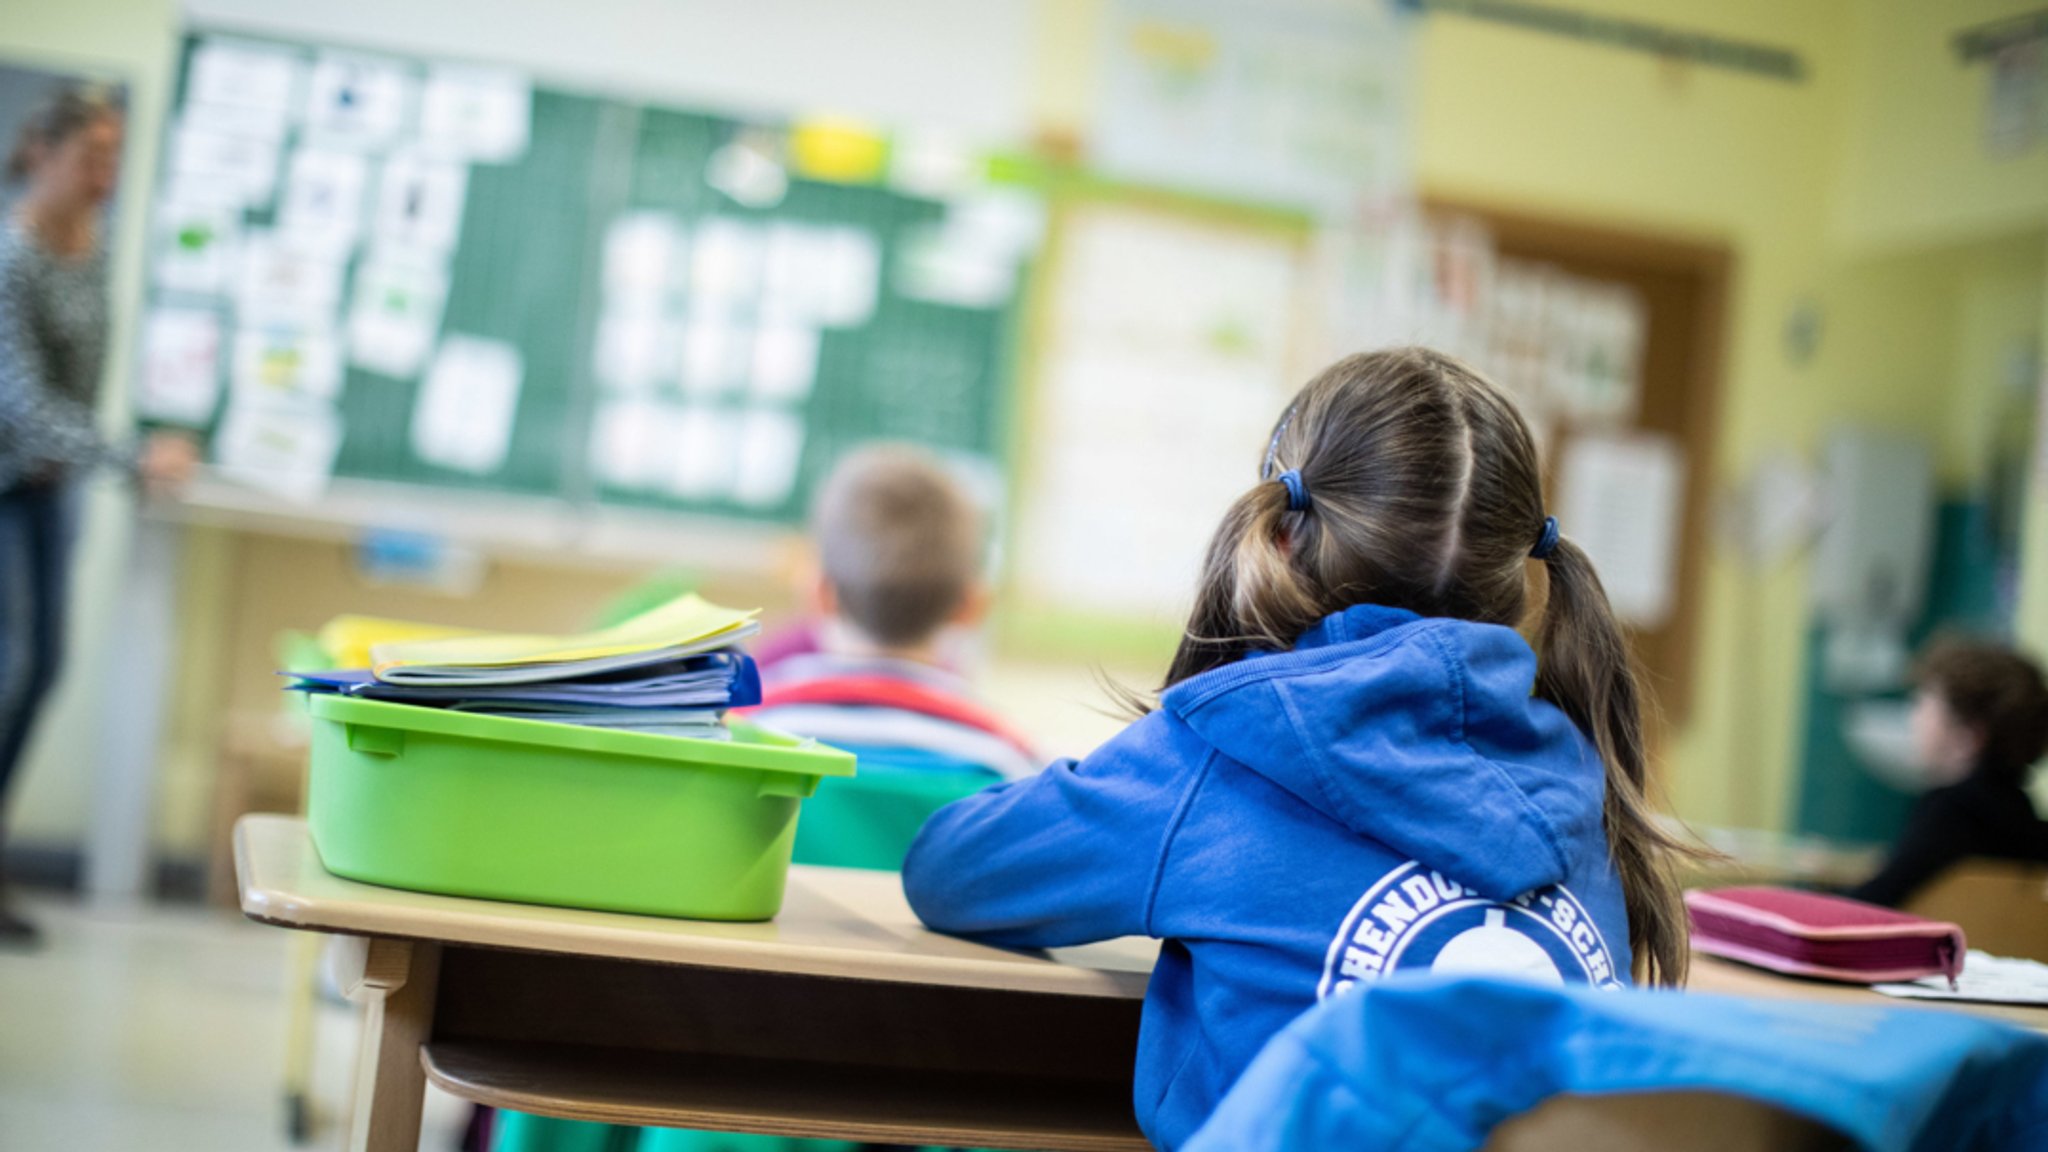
[1829, 937]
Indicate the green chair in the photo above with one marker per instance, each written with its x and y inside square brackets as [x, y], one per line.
[869, 819]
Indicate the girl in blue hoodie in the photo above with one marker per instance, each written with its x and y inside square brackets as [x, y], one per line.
[1357, 764]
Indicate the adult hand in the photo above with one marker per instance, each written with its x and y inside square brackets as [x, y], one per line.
[167, 463]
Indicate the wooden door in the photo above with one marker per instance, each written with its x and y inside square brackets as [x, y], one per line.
[1683, 286]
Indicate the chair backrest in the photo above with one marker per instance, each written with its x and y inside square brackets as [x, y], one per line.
[2002, 905]
[1667, 1121]
[1509, 1066]
[869, 819]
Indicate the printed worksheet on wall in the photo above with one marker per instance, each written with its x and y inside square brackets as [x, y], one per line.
[1168, 362]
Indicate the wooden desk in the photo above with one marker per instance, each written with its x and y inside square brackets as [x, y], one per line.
[843, 1018]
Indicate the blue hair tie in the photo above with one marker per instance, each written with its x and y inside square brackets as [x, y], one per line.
[1546, 543]
[1297, 490]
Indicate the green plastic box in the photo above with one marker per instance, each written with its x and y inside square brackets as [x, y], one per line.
[468, 805]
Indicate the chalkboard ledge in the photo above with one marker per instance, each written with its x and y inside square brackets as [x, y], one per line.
[530, 529]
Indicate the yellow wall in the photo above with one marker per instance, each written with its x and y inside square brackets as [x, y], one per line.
[1583, 131]
[1922, 340]
[2001, 291]
[2033, 609]
[1915, 170]
[2033, 622]
[1862, 191]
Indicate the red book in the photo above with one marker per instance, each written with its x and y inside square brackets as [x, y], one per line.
[1830, 937]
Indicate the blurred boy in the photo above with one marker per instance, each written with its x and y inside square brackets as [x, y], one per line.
[899, 547]
[1980, 721]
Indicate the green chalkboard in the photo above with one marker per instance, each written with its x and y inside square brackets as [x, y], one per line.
[516, 276]
[529, 270]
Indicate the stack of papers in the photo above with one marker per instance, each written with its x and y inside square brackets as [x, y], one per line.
[1986, 979]
[673, 670]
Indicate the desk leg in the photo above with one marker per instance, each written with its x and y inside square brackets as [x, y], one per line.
[394, 981]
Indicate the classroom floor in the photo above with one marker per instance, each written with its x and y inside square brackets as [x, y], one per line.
[163, 1030]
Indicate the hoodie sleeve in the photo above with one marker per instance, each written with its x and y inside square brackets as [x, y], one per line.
[1069, 856]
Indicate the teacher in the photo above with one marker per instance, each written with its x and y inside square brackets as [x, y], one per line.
[53, 344]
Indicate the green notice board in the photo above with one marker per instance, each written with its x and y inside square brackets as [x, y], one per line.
[533, 268]
[516, 275]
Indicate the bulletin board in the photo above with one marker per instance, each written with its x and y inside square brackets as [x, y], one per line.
[1167, 340]
[1680, 287]
[371, 266]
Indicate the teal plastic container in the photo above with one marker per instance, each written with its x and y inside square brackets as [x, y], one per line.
[468, 805]
[869, 821]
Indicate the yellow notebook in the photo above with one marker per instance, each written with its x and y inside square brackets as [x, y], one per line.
[687, 622]
[348, 640]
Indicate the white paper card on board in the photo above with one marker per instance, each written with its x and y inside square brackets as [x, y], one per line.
[2016, 102]
[941, 265]
[793, 259]
[823, 275]
[483, 115]
[196, 244]
[771, 446]
[463, 419]
[785, 362]
[930, 164]
[283, 447]
[396, 313]
[701, 467]
[718, 353]
[287, 362]
[1597, 333]
[1007, 221]
[180, 366]
[725, 264]
[257, 79]
[637, 444]
[324, 196]
[357, 102]
[285, 284]
[851, 276]
[643, 260]
[1621, 499]
[226, 162]
[420, 200]
[625, 445]
[636, 351]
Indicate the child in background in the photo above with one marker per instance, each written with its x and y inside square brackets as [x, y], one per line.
[1980, 721]
[900, 548]
[1357, 764]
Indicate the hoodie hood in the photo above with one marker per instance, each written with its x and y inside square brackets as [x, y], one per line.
[1420, 733]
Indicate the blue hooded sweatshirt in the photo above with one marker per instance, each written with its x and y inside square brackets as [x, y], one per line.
[1420, 1064]
[1387, 796]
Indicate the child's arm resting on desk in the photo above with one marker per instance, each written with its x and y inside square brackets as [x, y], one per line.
[1068, 856]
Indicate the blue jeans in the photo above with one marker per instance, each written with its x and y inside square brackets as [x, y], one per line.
[36, 533]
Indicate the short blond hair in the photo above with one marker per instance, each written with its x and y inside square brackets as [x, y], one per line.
[899, 541]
